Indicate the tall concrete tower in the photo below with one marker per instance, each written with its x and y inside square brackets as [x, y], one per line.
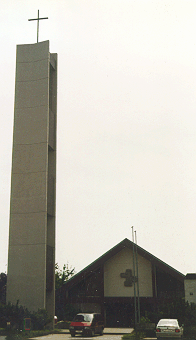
[31, 256]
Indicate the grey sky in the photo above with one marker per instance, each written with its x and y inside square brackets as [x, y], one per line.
[126, 123]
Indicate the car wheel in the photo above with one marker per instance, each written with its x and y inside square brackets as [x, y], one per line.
[72, 333]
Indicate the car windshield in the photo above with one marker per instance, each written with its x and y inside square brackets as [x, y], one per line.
[168, 322]
[83, 318]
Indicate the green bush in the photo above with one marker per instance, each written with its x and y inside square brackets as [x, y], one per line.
[176, 309]
[40, 319]
[134, 336]
[190, 332]
[15, 314]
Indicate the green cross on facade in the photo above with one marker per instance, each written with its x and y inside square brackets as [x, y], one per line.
[129, 278]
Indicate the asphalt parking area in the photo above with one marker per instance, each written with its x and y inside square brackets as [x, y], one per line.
[79, 337]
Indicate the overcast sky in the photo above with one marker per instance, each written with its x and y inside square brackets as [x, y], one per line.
[126, 141]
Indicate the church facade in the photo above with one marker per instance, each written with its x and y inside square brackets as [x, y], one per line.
[107, 285]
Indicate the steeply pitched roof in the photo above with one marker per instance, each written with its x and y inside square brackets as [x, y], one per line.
[113, 251]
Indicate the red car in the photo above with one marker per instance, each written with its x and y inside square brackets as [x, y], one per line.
[87, 324]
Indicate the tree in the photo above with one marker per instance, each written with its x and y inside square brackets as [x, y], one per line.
[66, 312]
[63, 275]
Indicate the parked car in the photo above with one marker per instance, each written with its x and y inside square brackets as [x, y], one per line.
[169, 328]
[87, 324]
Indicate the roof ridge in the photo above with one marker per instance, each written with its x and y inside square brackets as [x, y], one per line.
[95, 261]
[126, 242]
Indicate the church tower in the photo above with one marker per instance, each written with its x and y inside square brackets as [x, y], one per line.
[31, 256]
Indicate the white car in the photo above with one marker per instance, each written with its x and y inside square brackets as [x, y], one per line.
[169, 328]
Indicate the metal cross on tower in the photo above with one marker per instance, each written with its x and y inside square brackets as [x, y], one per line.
[38, 19]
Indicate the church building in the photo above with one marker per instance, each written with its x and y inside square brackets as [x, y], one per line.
[107, 285]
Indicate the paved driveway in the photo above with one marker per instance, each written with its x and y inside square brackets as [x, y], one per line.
[79, 337]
